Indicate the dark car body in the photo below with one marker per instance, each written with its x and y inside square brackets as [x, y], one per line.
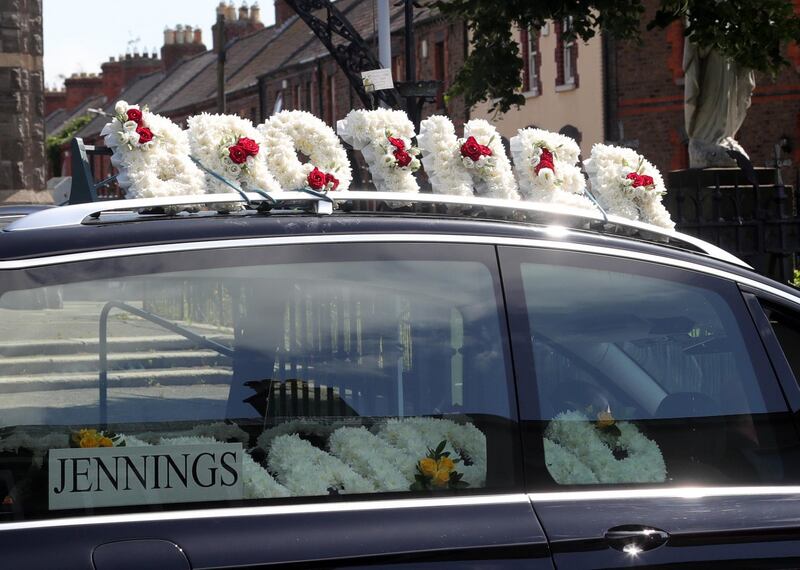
[666, 332]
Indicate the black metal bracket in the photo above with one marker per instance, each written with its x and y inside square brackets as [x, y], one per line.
[84, 189]
[353, 56]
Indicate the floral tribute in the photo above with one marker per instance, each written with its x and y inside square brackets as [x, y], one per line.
[384, 137]
[476, 164]
[628, 185]
[87, 437]
[546, 168]
[582, 451]
[290, 132]
[437, 471]
[231, 147]
[151, 154]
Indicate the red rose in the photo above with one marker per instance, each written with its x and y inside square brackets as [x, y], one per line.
[238, 154]
[332, 180]
[316, 179]
[471, 149]
[486, 151]
[145, 135]
[646, 180]
[135, 115]
[249, 145]
[402, 157]
[545, 161]
[399, 144]
[634, 177]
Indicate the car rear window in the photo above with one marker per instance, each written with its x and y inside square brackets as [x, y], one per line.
[242, 376]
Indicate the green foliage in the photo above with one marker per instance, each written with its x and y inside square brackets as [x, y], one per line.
[54, 142]
[751, 32]
[796, 281]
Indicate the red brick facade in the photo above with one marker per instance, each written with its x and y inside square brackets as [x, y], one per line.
[647, 111]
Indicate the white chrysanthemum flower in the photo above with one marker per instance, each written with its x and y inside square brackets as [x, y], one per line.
[371, 132]
[289, 132]
[628, 185]
[545, 164]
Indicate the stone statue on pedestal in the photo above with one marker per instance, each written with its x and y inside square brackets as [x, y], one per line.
[716, 98]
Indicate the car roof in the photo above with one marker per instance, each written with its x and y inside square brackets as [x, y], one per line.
[107, 225]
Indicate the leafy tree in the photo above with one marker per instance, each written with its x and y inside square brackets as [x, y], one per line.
[55, 142]
[751, 32]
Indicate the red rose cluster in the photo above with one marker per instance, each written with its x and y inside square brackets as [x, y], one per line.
[640, 179]
[400, 154]
[545, 161]
[145, 134]
[243, 148]
[474, 150]
[317, 180]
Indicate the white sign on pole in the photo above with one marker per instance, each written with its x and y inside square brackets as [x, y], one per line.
[159, 474]
[377, 79]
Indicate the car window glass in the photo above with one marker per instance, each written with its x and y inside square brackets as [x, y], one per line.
[786, 325]
[652, 378]
[309, 377]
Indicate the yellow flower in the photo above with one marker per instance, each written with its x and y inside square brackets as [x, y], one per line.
[105, 442]
[605, 419]
[88, 441]
[427, 466]
[442, 477]
[446, 463]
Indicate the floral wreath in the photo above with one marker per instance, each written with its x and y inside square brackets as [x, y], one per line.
[291, 131]
[628, 185]
[474, 164]
[231, 147]
[579, 451]
[384, 137]
[545, 163]
[151, 154]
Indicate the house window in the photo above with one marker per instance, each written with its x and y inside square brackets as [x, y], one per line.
[397, 68]
[296, 100]
[532, 61]
[330, 111]
[566, 55]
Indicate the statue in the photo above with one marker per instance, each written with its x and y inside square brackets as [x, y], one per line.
[716, 98]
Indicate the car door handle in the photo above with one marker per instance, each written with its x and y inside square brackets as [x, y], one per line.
[633, 539]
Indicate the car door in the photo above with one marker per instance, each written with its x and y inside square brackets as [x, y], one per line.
[330, 404]
[655, 429]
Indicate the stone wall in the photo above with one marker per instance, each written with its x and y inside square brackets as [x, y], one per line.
[22, 161]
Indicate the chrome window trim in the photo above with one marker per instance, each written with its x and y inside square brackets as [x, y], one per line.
[664, 493]
[391, 238]
[309, 508]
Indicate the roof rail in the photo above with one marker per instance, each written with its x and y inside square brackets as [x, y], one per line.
[323, 204]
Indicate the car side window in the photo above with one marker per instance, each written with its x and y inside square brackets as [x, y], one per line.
[785, 324]
[647, 374]
[275, 374]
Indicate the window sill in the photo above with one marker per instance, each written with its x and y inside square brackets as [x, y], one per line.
[531, 94]
[566, 87]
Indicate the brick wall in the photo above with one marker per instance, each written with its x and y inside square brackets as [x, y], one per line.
[650, 103]
[22, 163]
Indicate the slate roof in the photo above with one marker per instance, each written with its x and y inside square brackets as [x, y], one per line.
[135, 92]
[58, 119]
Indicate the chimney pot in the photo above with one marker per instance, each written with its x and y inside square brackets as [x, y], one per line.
[244, 12]
[255, 13]
[198, 35]
[169, 37]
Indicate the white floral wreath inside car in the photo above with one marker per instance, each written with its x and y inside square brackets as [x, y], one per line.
[290, 132]
[151, 154]
[581, 451]
[475, 164]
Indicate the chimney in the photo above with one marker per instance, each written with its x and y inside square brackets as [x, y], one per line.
[230, 12]
[169, 37]
[80, 87]
[244, 12]
[282, 12]
[54, 99]
[255, 13]
[188, 42]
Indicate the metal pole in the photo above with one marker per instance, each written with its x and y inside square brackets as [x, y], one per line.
[411, 60]
[384, 34]
[221, 63]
